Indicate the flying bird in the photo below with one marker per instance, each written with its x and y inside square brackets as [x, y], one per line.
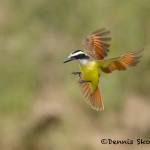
[93, 60]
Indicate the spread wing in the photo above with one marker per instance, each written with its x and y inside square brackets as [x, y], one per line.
[93, 98]
[121, 63]
[96, 44]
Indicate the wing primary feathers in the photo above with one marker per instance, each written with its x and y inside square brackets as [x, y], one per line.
[138, 51]
[96, 44]
[105, 39]
[99, 31]
[103, 33]
[105, 45]
[121, 63]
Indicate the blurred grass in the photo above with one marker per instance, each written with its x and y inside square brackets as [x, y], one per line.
[36, 36]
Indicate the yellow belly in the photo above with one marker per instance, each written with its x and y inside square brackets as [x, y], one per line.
[90, 72]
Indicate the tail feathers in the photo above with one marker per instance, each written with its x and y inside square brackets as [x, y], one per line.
[93, 98]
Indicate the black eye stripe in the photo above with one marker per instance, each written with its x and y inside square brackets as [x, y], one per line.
[82, 56]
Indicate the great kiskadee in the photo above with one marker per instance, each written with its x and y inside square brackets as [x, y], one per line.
[92, 60]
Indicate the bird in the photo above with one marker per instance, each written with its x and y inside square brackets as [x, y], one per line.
[93, 60]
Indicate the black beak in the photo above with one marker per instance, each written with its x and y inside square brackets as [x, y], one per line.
[68, 59]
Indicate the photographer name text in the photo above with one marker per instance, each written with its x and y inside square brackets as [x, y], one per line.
[126, 141]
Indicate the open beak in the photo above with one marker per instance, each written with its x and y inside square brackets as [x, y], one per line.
[68, 59]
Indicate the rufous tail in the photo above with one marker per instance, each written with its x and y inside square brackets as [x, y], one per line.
[93, 98]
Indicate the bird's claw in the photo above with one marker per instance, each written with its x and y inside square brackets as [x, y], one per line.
[77, 73]
[83, 81]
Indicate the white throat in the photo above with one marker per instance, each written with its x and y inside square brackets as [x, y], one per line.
[83, 61]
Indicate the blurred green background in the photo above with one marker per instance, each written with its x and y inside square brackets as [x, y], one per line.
[41, 105]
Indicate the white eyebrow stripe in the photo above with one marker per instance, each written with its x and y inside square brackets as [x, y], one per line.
[76, 54]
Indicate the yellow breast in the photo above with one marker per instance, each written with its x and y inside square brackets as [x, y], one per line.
[90, 72]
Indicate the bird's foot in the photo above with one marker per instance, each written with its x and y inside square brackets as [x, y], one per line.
[77, 73]
[83, 81]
